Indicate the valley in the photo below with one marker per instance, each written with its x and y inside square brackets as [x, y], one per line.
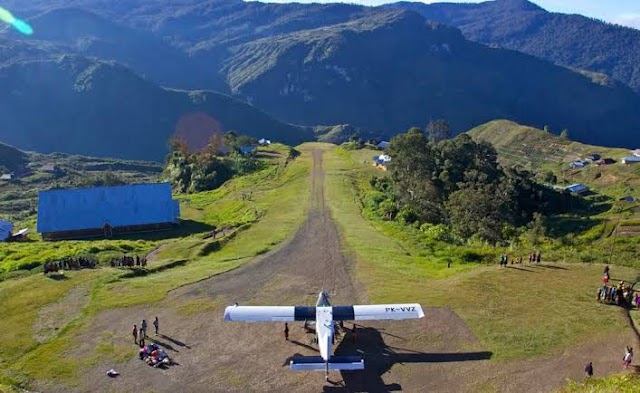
[478, 159]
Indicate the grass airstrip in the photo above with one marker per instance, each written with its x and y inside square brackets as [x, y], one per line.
[515, 313]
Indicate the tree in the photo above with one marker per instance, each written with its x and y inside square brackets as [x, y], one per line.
[478, 210]
[438, 130]
[537, 230]
[215, 145]
[413, 168]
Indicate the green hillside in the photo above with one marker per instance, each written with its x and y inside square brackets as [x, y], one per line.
[541, 152]
[105, 109]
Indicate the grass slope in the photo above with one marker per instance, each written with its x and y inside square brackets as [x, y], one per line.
[540, 151]
[495, 303]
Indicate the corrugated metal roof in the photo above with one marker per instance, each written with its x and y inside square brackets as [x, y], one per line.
[5, 230]
[91, 208]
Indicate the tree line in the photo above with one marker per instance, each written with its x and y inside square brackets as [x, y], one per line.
[456, 186]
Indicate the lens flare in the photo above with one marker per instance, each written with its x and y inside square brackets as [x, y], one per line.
[20, 25]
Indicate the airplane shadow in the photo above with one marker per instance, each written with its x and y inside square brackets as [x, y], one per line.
[380, 358]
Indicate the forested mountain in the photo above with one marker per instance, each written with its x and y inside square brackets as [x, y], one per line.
[392, 71]
[570, 40]
[375, 69]
[78, 105]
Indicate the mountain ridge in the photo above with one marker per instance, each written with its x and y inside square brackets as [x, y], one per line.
[119, 129]
[566, 39]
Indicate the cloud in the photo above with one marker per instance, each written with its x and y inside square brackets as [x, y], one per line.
[631, 20]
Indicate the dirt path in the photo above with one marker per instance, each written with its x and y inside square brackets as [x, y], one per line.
[437, 353]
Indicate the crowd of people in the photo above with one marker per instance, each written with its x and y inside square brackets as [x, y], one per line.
[622, 294]
[128, 261]
[69, 263]
[78, 263]
[534, 257]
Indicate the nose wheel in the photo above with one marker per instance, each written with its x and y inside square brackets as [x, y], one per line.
[326, 375]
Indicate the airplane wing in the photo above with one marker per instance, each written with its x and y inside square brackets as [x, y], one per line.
[269, 313]
[377, 311]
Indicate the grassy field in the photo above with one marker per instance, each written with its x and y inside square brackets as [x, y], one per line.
[517, 312]
[278, 204]
[626, 383]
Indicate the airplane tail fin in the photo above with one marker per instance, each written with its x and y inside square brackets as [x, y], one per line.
[316, 363]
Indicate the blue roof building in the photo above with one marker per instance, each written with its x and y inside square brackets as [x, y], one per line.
[577, 188]
[247, 150]
[103, 211]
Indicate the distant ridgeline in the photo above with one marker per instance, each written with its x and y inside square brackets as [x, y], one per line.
[571, 40]
[376, 69]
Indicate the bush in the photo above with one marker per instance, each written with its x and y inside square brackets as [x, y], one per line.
[436, 233]
[406, 215]
[373, 199]
[209, 248]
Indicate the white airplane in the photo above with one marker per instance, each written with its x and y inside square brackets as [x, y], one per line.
[324, 315]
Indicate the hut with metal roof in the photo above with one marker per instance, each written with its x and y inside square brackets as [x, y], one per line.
[106, 211]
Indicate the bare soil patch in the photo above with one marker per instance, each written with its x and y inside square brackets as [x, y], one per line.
[55, 316]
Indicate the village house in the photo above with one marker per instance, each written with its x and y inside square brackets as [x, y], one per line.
[264, 142]
[577, 188]
[382, 161]
[606, 161]
[247, 150]
[593, 157]
[383, 145]
[105, 211]
[6, 176]
[630, 160]
[49, 168]
[5, 230]
[578, 164]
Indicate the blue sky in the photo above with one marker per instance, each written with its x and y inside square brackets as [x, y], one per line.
[624, 12]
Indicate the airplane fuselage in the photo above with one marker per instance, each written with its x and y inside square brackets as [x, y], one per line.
[325, 330]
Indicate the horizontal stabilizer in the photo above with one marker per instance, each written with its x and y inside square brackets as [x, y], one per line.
[316, 363]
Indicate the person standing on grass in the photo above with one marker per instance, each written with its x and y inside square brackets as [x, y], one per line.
[628, 357]
[286, 331]
[135, 334]
[588, 370]
[156, 325]
[539, 257]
